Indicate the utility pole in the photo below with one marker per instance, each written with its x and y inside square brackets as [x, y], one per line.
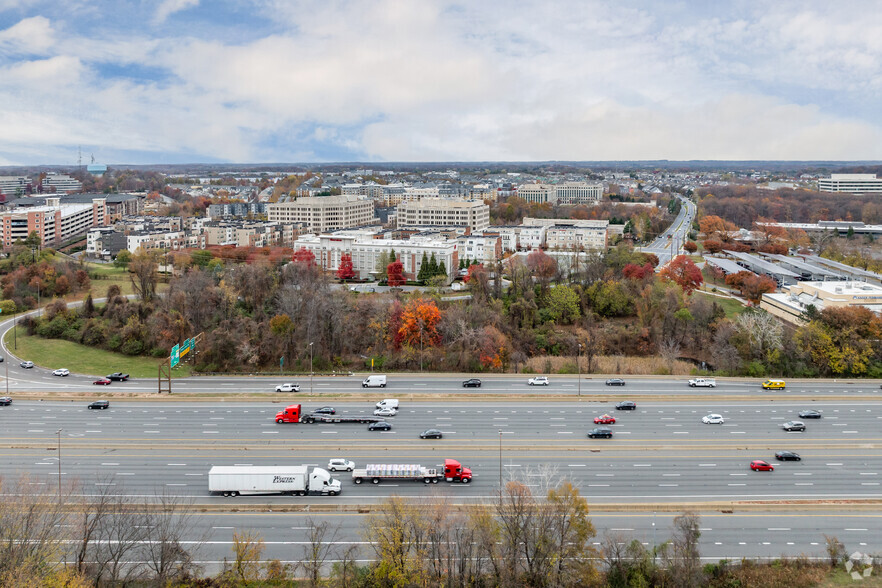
[579, 368]
[500, 467]
[310, 367]
[58, 432]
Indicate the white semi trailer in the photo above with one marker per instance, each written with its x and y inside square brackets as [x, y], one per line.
[292, 480]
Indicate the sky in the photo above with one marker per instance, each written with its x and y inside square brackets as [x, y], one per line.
[260, 81]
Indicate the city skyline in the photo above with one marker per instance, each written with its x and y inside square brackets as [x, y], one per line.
[184, 81]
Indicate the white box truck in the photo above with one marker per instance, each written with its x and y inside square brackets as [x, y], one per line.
[291, 480]
[374, 381]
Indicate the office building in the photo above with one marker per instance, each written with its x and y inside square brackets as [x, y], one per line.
[324, 213]
[851, 184]
[431, 212]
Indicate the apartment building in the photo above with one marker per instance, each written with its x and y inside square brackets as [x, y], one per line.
[485, 248]
[324, 213]
[248, 233]
[851, 184]
[444, 212]
[236, 209]
[55, 223]
[366, 252]
[564, 237]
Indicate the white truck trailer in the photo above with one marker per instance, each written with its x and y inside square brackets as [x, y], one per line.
[291, 480]
[386, 471]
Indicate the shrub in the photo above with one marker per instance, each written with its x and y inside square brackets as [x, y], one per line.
[114, 343]
[132, 347]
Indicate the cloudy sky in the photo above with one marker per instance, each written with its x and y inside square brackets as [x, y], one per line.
[176, 81]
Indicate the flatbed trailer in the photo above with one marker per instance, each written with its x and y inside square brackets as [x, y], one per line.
[376, 473]
[294, 414]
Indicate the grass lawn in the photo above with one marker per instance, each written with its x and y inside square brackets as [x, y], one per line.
[107, 275]
[80, 359]
[732, 307]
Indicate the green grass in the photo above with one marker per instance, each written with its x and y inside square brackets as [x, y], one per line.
[80, 359]
[107, 275]
[731, 306]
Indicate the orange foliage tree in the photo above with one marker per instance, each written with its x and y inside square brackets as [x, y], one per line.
[419, 323]
[715, 226]
[683, 272]
[751, 285]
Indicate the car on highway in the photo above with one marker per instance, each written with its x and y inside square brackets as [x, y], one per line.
[338, 464]
[774, 385]
[703, 383]
[626, 405]
[538, 381]
[713, 419]
[5, 400]
[600, 432]
[1, 359]
[472, 383]
[431, 434]
[27, 364]
[605, 419]
[288, 387]
[61, 372]
[615, 382]
[793, 426]
[759, 465]
[787, 456]
[99, 405]
[102, 382]
[325, 410]
[118, 377]
[384, 412]
[381, 426]
[809, 414]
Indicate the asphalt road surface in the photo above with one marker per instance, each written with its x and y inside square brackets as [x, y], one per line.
[659, 453]
[670, 242]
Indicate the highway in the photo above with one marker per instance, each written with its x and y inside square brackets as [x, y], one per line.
[669, 243]
[659, 453]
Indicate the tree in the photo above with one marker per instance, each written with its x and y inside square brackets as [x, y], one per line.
[714, 226]
[683, 272]
[542, 266]
[423, 274]
[419, 323]
[632, 271]
[685, 558]
[304, 256]
[144, 274]
[201, 257]
[345, 270]
[690, 246]
[122, 258]
[712, 245]
[395, 273]
[562, 303]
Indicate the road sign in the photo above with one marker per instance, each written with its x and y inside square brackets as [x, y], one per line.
[185, 347]
[175, 356]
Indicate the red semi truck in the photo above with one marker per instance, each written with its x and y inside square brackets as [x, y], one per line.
[294, 414]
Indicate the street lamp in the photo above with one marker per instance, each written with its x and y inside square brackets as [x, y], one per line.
[500, 467]
[310, 367]
[579, 368]
[58, 432]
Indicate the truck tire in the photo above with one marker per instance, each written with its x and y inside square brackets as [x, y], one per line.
[382, 385]
[279, 421]
[358, 480]
[333, 493]
[434, 480]
[427, 480]
[301, 493]
[376, 480]
[466, 480]
[234, 494]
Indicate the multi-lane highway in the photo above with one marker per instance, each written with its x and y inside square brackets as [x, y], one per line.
[661, 452]
[669, 244]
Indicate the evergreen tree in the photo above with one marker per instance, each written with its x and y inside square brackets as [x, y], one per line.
[462, 263]
[424, 274]
[392, 257]
[433, 266]
[442, 269]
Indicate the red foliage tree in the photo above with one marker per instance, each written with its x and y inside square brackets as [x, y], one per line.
[683, 272]
[632, 271]
[304, 256]
[713, 245]
[344, 270]
[395, 273]
[751, 285]
[690, 246]
[651, 259]
[779, 248]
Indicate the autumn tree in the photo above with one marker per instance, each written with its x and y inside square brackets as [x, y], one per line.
[751, 285]
[304, 256]
[419, 323]
[144, 273]
[632, 271]
[395, 273]
[345, 270]
[712, 245]
[682, 271]
[715, 226]
[690, 246]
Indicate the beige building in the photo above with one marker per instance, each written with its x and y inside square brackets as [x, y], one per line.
[569, 237]
[324, 213]
[444, 212]
[538, 193]
[568, 193]
[790, 304]
[55, 223]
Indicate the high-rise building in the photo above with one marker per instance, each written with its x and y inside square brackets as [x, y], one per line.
[444, 212]
[324, 213]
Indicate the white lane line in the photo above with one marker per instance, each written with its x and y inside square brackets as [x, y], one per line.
[211, 432]
[192, 474]
[36, 431]
[868, 473]
[175, 484]
[642, 465]
[511, 465]
[802, 473]
[670, 475]
[323, 432]
[672, 485]
[778, 529]
[93, 431]
[834, 464]
[849, 432]
[737, 474]
[598, 485]
[707, 465]
[125, 473]
[176, 464]
[681, 432]
[109, 463]
[855, 529]
[604, 475]
[804, 484]
[156, 432]
[577, 465]
[243, 464]
[737, 484]
[869, 483]
[564, 432]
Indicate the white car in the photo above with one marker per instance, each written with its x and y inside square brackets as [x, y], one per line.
[61, 372]
[288, 388]
[385, 412]
[340, 464]
[713, 419]
[538, 381]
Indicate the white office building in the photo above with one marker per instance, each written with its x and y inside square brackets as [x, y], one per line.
[444, 212]
[324, 213]
[851, 184]
[61, 184]
[568, 193]
[13, 186]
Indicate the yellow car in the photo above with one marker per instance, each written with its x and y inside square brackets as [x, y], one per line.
[773, 384]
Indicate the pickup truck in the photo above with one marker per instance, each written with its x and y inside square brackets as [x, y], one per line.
[118, 377]
[703, 383]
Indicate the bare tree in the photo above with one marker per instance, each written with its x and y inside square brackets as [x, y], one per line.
[320, 543]
[669, 350]
[167, 523]
[122, 531]
[684, 560]
[89, 522]
[144, 274]
[764, 332]
[248, 549]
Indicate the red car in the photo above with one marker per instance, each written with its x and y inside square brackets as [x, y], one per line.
[759, 465]
[102, 382]
[605, 419]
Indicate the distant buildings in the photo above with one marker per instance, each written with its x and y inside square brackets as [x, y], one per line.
[851, 184]
[55, 223]
[443, 212]
[795, 300]
[61, 184]
[14, 186]
[324, 213]
[236, 209]
[566, 193]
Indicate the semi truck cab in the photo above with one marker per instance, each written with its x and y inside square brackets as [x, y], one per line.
[454, 472]
[291, 414]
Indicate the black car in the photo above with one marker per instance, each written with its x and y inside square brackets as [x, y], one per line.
[626, 405]
[615, 382]
[118, 377]
[600, 432]
[472, 383]
[5, 400]
[102, 404]
[809, 414]
[431, 434]
[325, 410]
[787, 456]
[381, 426]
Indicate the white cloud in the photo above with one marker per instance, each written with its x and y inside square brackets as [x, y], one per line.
[169, 7]
[31, 35]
